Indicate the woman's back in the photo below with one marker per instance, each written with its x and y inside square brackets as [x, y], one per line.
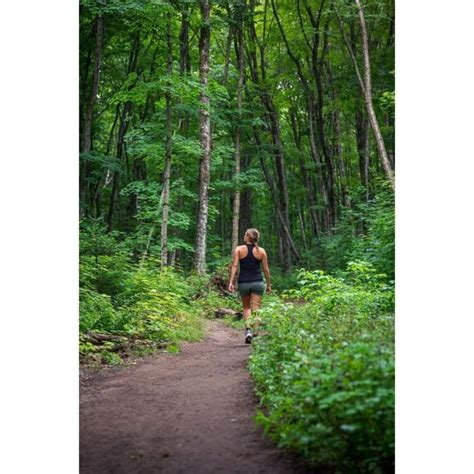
[250, 264]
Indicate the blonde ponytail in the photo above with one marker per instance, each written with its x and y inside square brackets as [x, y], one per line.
[254, 236]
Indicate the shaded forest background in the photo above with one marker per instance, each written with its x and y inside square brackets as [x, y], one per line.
[301, 132]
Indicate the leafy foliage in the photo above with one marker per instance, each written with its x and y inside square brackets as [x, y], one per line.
[137, 299]
[325, 371]
[365, 232]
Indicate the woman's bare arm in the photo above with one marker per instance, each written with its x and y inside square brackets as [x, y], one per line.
[266, 271]
[233, 269]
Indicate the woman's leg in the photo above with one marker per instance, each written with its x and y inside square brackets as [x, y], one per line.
[255, 306]
[246, 303]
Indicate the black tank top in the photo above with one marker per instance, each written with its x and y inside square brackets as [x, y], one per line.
[249, 267]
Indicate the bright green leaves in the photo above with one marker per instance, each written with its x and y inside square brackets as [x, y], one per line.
[325, 372]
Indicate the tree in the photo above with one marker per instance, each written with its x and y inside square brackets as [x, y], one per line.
[165, 195]
[205, 140]
[239, 45]
[294, 151]
[366, 86]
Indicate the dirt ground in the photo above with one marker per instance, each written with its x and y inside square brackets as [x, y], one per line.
[178, 413]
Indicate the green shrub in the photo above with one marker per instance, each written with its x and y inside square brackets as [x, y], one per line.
[157, 305]
[325, 371]
[359, 288]
[147, 303]
[364, 232]
[95, 311]
[105, 273]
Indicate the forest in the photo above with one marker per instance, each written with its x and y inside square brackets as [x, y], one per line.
[200, 119]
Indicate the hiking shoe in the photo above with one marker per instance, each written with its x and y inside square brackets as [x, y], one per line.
[248, 337]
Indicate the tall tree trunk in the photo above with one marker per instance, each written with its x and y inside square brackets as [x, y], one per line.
[87, 140]
[314, 108]
[284, 230]
[301, 219]
[126, 112]
[383, 155]
[124, 121]
[274, 127]
[281, 179]
[340, 159]
[184, 59]
[321, 181]
[362, 139]
[337, 142]
[165, 197]
[89, 113]
[307, 184]
[317, 114]
[236, 203]
[228, 47]
[205, 140]
[366, 86]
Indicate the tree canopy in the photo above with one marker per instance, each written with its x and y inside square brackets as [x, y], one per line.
[300, 133]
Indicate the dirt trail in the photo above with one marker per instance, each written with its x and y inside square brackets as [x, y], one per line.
[178, 413]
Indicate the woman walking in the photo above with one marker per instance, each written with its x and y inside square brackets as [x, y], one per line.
[250, 282]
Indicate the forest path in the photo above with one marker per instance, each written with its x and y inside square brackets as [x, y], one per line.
[178, 413]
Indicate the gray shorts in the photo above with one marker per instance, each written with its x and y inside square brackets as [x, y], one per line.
[255, 287]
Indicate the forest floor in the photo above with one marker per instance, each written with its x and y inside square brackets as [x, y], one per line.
[190, 412]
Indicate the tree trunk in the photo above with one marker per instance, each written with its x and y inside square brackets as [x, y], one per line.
[126, 113]
[306, 181]
[184, 59]
[321, 181]
[205, 140]
[89, 113]
[362, 139]
[127, 110]
[228, 47]
[317, 112]
[314, 108]
[274, 127]
[383, 155]
[366, 86]
[337, 142]
[301, 219]
[165, 197]
[284, 230]
[87, 140]
[236, 203]
[245, 199]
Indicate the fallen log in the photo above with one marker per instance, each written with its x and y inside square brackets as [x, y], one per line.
[221, 312]
[99, 338]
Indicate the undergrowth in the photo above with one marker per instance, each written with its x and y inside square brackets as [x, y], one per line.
[324, 372]
[151, 308]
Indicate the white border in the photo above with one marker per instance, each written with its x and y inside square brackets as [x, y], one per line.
[39, 238]
[39, 241]
[434, 242]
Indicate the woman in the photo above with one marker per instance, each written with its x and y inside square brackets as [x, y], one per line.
[250, 282]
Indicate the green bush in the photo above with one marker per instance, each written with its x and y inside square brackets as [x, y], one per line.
[157, 305]
[325, 371]
[360, 288]
[364, 232]
[143, 302]
[95, 311]
[105, 273]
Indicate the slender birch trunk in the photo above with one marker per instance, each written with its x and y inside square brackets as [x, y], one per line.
[383, 155]
[362, 139]
[205, 139]
[366, 86]
[168, 152]
[236, 203]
